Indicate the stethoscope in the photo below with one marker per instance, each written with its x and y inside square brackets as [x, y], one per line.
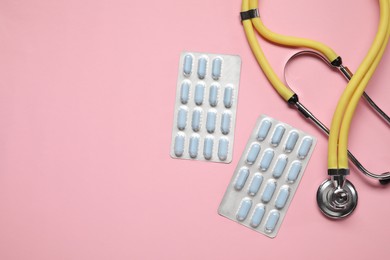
[336, 196]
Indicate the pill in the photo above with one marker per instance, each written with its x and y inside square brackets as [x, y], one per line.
[294, 171]
[202, 67]
[194, 144]
[277, 136]
[244, 209]
[225, 123]
[211, 120]
[228, 97]
[217, 65]
[291, 141]
[196, 117]
[263, 130]
[255, 184]
[179, 144]
[257, 215]
[305, 147]
[187, 66]
[208, 147]
[282, 197]
[213, 96]
[241, 178]
[279, 166]
[199, 94]
[182, 118]
[185, 92]
[254, 151]
[266, 160]
[268, 191]
[223, 148]
[272, 220]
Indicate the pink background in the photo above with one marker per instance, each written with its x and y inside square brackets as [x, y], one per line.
[87, 91]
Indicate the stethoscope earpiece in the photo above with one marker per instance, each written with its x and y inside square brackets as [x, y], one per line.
[336, 202]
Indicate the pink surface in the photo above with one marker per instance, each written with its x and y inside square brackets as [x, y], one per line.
[86, 108]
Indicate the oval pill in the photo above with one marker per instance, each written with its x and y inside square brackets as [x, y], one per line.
[225, 123]
[257, 215]
[241, 178]
[182, 118]
[208, 147]
[211, 120]
[272, 220]
[179, 145]
[266, 160]
[196, 117]
[277, 136]
[282, 197]
[187, 65]
[305, 147]
[217, 66]
[194, 145]
[280, 166]
[263, 130]
[185, 92]
[202, 67]
[223, 148]
[268, 191]
[254, 151]
[294, 171]
[228, 97]
[199, 94]
[244, 209]
[213, 96]
[255, 184]
[291, 141]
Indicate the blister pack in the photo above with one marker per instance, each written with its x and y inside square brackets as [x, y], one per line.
[267, 176]
[205, 108]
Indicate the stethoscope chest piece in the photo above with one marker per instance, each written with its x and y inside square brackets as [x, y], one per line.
[336, 202]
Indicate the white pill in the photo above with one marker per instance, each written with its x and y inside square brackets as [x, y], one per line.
[255, 184]
[268, 191]
[291, 141]
[277, 136]
[208, 147]
[217, 67]
[264, 129]
[257, 215]
[266, 160]
[228, 96]
[213, 96]
[279, 166]
[179, 144]
[305, 147]
[272, 220]
[225, 122]
[194, 145]
[254, 151]
[202, 67]
[294, 171]
[282, 197]
[187, 66]
[211, 120]
[241, 178]
[223, 148]
[199, 94]
[244, 209]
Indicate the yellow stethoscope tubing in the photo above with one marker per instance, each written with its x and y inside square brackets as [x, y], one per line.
[345, 126]
[285, 92]
[290, 40]
[337, 156]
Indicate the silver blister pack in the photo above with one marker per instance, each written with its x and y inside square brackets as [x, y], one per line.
[267, 176]
[205, 107]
